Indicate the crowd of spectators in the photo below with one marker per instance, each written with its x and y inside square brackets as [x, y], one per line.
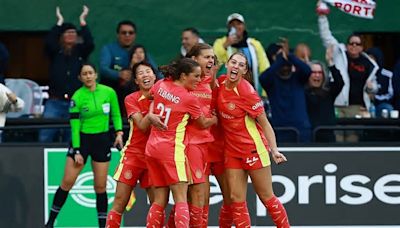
[302, 93]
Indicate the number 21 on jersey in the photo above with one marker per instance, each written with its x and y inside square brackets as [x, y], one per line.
[162, 108]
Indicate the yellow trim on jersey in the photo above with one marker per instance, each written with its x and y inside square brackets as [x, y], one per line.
[118, 172]
[128, 141]
[179, 153]
[236, 91]
[141, 98]
[255, 135]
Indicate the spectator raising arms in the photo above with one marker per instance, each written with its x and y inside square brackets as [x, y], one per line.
[284, 82]
[66, 53]
[321, 94]
[356, 67]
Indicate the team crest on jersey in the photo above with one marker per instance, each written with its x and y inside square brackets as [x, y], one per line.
[231, 106]
[198, 174]
[128, 174]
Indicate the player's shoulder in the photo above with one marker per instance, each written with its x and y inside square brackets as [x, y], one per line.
[245, 88]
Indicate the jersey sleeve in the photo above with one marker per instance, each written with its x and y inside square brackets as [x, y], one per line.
[75, 121]
[193, 107]
[252, 102]
[131, 105]
[115, 111]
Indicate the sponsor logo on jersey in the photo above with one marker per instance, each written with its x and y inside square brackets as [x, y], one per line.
[251, 161]
[257, 105]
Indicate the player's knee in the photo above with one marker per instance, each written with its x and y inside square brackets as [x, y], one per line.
[237, 196]
[265, 196]
[197, 196]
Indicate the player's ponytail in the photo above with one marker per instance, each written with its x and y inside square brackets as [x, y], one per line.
[175, 69]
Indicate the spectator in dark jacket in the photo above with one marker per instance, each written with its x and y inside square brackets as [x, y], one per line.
[66, 52]
[4, 55]
[284, 83]
[321, 94]
[396, 86]
[383, 99]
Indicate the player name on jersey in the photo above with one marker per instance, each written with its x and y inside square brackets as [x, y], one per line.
[168, 96]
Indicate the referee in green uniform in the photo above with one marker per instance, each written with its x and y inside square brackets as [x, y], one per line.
[91, 108]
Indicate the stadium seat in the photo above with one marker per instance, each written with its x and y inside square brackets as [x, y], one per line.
[30, 92]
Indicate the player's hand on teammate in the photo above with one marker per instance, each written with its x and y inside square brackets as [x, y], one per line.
[155, 120]
[278, 156]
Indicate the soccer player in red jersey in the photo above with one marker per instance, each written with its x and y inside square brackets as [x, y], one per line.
[165, 150]
[248, 138]
[133, 167]
[203, 140]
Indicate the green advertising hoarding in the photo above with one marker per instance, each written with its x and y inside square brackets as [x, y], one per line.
[80, 208]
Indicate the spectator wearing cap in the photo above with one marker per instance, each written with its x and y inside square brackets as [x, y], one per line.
[383, 99]
[115, 56]
[66, 53]
[237, 39]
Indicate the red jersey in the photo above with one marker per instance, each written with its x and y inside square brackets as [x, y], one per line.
[136, 144]
[176, 105]
[237, 110]
[216, 148]
[203, 92]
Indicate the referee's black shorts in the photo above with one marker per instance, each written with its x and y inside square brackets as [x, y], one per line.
[98, 146]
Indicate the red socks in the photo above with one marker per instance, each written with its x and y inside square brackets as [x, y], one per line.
[181, 215]
[196, 216]
[240, 215]
[171, 218]
[205, 216]
[225, 216]
[113, 219]
[277, 212]
[155, 217]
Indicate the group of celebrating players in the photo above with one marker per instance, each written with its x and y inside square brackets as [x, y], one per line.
[191, 125]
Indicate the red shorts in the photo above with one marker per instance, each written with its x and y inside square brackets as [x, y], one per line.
[164, 173]
[196, 156]
[250, 162]
[137, 160]
[215, 151]
[215, 168]
[130, 175]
